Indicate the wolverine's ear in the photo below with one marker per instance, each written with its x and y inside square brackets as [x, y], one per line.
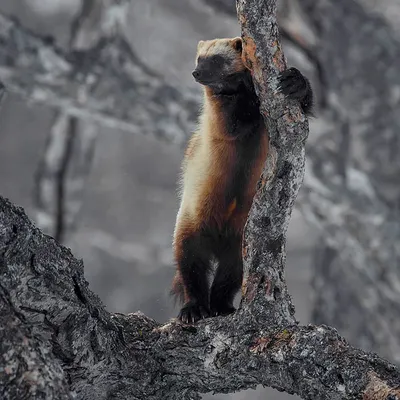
[200, 45]
[237, 44]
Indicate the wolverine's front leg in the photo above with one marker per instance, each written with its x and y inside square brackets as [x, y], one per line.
[193, 262]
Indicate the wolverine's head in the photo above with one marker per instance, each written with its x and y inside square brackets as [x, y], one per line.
[219, 63]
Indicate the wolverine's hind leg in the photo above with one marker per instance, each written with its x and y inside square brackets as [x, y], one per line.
[193, 256]
[228, 277]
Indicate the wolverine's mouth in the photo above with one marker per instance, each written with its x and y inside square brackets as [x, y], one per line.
[212, 80]
[206, 82]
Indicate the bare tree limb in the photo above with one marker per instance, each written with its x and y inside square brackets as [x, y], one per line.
[29, 369]
[119, 356]
[50, 196]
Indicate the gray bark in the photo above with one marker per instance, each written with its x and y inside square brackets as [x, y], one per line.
[265, 233]
[46, 304]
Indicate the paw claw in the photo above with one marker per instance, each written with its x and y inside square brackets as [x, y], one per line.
[192, 312]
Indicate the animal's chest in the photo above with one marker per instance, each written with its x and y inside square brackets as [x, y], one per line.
[221, 179]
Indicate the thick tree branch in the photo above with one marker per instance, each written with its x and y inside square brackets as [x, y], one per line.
[46, 298]
[29, 370]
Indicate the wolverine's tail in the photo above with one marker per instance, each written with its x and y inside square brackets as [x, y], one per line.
[177, 289]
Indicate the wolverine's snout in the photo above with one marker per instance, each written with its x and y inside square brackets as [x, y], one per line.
[203, 73]
[209, 69]
[196, 74]
[203, 77]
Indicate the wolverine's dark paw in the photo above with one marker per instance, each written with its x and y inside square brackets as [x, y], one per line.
[293, 84]
[222, 309]
[192, 312]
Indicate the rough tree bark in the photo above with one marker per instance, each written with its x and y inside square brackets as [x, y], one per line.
[50, 319]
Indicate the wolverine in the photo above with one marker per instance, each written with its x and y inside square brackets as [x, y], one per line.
[222, 165]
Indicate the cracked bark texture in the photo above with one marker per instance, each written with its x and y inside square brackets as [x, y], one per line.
[46, 304]
[350, 189]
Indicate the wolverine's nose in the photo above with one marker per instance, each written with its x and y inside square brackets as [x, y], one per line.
[202, 75]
